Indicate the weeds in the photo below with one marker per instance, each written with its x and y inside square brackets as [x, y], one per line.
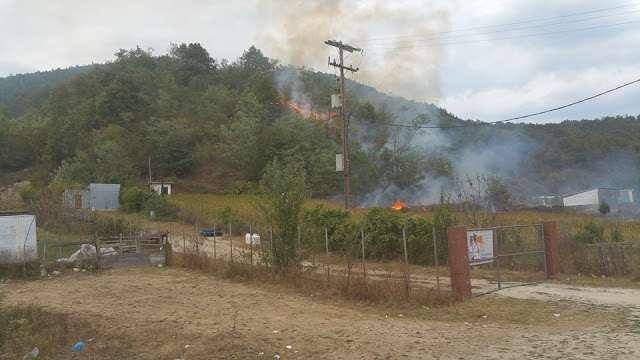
[24, 327]
[378, 288]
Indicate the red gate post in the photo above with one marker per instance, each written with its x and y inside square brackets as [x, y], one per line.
[551, 249]
[459, 262]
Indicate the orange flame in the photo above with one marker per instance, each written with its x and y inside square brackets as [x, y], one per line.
[398, 205]
[308, 113]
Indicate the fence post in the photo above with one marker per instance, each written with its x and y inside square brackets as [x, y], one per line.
[184, 247]
[230, 243]
[44, 256]
[121, 246]
[459, 262]
[272, 253]
[551, 249]
[98, 249]
[197, 240]
[435, 256]
[364, 266]
[407, 276]
[59, 248]
[299, 247]
[214, 241]
[326, 240]
[251, 250]
[170, 237]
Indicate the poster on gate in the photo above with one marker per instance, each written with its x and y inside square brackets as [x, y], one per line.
[480, 243]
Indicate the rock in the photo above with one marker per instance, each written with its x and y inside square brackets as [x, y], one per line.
[56, 273]
[76, 270]
[160, 265]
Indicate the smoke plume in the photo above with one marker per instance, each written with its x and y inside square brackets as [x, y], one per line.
[296, 32]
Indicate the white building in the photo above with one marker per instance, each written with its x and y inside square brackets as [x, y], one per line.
[161, 187]
[591, 199]
[17, 238]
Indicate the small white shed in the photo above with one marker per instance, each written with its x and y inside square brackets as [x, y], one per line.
[161, 187]
[17, 238]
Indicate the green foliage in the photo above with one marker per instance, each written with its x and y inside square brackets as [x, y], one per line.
[314, 221]
[284, 189]
[240, 187]
[189, 111]
[441, 221]
[604, 207]
[225, 215]
[133, 199]
[590, 234]
[162, 208]
[616, 235]
[382, 234]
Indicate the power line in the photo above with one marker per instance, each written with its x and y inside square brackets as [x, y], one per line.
[499, 31]
[493, 26]
[518, 117]
[502, 38]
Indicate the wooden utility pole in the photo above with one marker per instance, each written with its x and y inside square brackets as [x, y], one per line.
[345, 131]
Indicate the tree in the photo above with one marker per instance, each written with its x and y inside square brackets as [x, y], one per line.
[604, 207]
[481, 199]
[284, 188]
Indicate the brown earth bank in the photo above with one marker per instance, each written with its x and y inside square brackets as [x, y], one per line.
[169, 313]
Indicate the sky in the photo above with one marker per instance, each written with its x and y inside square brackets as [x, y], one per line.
[485, 60]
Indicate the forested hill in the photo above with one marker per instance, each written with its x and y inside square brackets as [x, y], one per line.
[213, 125]
[22, 92]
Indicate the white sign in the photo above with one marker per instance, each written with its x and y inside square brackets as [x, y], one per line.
[339, 162]
[480, 243]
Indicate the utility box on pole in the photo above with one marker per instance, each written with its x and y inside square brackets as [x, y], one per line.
[339, 162]
[336, 101]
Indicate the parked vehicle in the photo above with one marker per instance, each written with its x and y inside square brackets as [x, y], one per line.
[210, 232]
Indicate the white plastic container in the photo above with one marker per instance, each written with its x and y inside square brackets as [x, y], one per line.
[248, 239]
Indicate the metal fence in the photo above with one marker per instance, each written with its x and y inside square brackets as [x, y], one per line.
[317, 257]
[518, 259]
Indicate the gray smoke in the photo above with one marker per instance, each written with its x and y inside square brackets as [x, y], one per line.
[296, 32]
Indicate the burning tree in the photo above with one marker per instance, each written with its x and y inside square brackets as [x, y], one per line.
[481, 199]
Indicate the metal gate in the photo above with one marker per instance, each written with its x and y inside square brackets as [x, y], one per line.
[506, 256]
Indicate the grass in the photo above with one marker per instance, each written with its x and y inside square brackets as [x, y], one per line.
[24, 327]
[379, 289]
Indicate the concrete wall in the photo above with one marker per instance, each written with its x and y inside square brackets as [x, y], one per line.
[18, 239]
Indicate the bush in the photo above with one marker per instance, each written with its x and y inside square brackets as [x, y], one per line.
[382, 234]
[133, 199]
[590, 234]
[616, 235]
[314, 221]
[162, 208]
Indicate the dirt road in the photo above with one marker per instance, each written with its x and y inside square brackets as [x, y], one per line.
[154, 313]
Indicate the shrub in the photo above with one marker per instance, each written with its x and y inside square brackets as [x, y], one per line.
[315, 220]
[616, 235]
[590, 234]
[382, 234]
[133, 199]
[162, 208]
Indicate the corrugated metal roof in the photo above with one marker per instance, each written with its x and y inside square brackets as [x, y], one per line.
[104, 187]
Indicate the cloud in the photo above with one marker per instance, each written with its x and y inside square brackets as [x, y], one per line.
[552, 89]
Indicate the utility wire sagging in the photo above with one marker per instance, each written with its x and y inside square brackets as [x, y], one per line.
[519, 117]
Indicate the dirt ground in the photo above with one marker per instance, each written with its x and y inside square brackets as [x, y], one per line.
[169, 313]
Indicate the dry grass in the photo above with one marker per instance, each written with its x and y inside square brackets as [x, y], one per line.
[387, 288]
[24, 327]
